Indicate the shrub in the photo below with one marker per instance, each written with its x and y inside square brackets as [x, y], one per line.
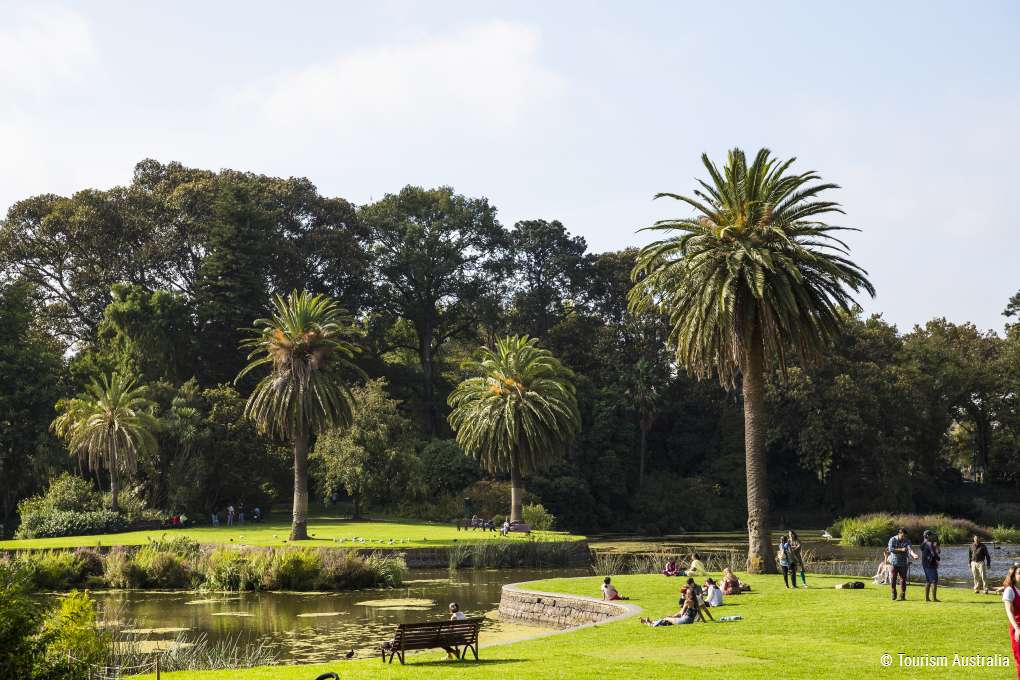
[163, 569]
[72, 494]
[91, 560]
[55, 569]
[386, 569]
[538, 517]
[1004, 534]
[875, 529]
[70, 633]
[233, 569]
[120, 570]
[54, 523]
[20, 618]
[294, 569]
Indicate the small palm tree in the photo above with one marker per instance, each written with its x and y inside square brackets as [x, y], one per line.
[111, 424]
[517, 413]
[306, 390]
[753, 275]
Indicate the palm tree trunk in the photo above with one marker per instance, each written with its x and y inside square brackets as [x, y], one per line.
[759, 547]
[516, 493]
[299, 522]
[641, 460]
[114, 477]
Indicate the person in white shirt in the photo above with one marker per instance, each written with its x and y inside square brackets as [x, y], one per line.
[713, 595]
[455, 613]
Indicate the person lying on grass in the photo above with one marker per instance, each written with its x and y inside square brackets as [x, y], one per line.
[609, 591]
[688, 613]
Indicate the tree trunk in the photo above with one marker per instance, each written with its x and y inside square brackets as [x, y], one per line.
[114, 477]
[428, 391]
[357, 506]
[641, 460]
[759, 545]
[299, 521]
[516, 493]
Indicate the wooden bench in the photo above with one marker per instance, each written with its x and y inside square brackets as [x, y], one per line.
[458, 636]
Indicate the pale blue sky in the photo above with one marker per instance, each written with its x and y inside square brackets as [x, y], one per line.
[558, 110]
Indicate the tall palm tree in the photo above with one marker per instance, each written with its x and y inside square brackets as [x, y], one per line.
[111, 424]
[304, 343]
[753, 275]
[517, 413]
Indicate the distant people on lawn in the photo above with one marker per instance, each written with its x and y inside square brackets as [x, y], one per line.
[609, 591]
[796, 559]
[883, 574]
[931, 555]
[671, 568]
[900, 552]
[785, 557]
[697, 567]
[732, 585]
[215, 518]
[505, 529]
[980, 561]
[230, 515]
[1011, 601]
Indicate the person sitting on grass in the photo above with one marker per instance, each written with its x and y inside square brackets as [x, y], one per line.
[881, 577]
[697, 567]
[688, 613]
[699, 598]
[713, 594]
[731, 584]
[609, 591]
[671, 568]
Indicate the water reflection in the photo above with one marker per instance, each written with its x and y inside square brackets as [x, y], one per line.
[321, 626]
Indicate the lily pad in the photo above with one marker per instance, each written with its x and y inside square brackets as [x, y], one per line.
[310, 615]
[391, 603]
[153, 631]
[233, 614]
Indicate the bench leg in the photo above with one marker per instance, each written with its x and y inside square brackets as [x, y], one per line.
[474, 650]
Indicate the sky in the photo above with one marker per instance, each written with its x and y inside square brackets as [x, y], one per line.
[554, 110]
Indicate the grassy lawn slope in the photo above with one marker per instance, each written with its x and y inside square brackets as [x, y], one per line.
[816, 633]
[322, 532]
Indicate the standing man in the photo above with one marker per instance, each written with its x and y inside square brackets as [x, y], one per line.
[980, 562]
[900, 553]
[931, 555]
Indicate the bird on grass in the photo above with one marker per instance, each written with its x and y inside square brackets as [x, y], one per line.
[350, 654]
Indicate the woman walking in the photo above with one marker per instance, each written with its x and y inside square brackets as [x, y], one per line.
[797, 560]
[1011, 600]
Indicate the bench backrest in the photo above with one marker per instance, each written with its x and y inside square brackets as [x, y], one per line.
[437, 633]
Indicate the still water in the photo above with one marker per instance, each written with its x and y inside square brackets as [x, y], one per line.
[315, 627]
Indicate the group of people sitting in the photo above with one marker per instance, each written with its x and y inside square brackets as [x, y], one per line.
[695, 599]
[694, 568]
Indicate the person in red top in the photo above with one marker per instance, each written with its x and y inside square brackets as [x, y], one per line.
[1011, 600]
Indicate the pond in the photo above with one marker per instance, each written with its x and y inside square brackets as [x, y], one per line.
[318, 627]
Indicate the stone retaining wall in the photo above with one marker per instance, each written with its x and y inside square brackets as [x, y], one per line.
[555, 609]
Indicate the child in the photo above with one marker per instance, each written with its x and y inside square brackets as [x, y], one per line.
[609, 591]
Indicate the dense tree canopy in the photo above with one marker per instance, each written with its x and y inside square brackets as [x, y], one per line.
[155, 279]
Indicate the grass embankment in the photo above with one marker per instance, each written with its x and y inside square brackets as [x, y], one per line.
[815, 633]
[323, 532]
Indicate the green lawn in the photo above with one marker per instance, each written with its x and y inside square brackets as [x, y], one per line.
[814, 633]
[322, 530]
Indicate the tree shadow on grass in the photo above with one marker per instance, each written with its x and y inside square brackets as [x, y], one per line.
[465, 664]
